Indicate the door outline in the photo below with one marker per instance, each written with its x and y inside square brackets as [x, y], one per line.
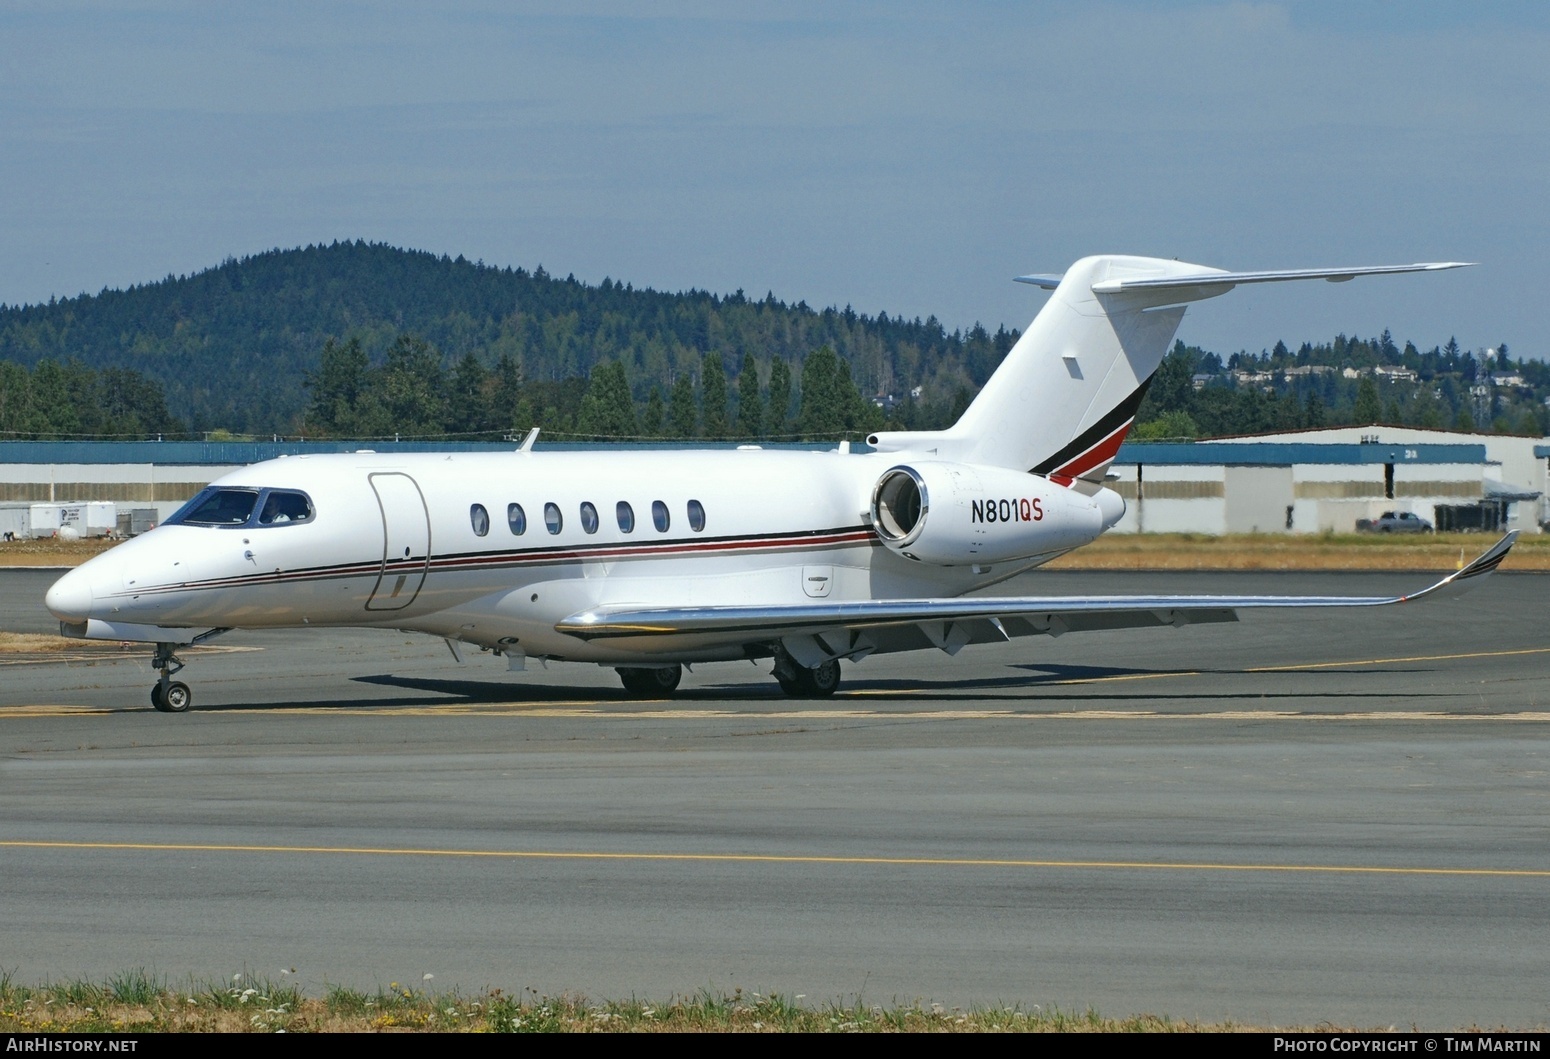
[408, 528]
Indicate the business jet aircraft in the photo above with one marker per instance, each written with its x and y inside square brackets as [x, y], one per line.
[646, 561]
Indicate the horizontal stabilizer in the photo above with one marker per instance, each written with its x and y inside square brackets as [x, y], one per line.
[1048, 282]
[1213, 277]
[1033, 614]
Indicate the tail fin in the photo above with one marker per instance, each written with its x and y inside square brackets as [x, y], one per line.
[1066, 395]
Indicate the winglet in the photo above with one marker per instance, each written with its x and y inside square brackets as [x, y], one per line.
[1466, 578]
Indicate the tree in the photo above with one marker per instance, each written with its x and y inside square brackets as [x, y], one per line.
[412, 387]
[713, 395]
[750, 408]
[1313, 410]
[468, 400]
[682, 415]
[607, 408]
[1172, 388]
[651, 420]
[822, 410]
[779, 411]
[337, 387]
[505, 392]
[1368, 408]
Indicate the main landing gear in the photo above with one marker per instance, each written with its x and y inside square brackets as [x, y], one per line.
[799, 682]
[650, 683]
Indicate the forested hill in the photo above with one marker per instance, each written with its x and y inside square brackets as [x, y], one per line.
[233, 346]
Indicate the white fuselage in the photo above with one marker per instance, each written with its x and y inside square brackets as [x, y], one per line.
[392, 542]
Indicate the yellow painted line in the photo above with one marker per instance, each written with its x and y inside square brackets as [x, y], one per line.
[1110, 679]
[774, 858]
[1394, 661]
[600, 712]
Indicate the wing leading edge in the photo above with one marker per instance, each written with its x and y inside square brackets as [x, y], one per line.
[854, 629]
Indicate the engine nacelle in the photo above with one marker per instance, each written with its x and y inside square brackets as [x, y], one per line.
[956, 514]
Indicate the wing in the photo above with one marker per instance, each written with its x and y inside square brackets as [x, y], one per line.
[814, 632]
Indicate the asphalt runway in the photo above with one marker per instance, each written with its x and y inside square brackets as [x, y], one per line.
[1304, 817]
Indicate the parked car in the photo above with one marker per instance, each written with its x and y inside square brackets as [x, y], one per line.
[1394, 522]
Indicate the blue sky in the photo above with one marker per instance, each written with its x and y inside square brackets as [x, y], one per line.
[902, 157]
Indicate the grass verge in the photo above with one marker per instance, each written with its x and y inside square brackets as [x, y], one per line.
[1267, 551]
[138, 1001]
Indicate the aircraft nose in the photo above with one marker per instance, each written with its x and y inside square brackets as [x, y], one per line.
[70, 598]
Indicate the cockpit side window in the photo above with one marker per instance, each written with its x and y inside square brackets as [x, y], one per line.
[217, 507]
[282, 506]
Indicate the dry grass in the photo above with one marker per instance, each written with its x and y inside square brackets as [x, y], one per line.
[37, 643]
[139, 1002]
[50, 551]
[1187, 551]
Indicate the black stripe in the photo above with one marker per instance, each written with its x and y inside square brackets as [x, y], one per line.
[1112, 421]
[669, 547]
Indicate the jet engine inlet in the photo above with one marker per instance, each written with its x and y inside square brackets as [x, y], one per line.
[899, 505]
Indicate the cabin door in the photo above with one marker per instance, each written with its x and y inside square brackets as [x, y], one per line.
[406, 541]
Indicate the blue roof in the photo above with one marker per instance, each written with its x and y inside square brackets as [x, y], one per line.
[1282, 454]
[241, 453]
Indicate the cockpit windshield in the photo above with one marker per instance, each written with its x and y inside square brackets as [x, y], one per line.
[232, 508]
[218, 507]
[282, 506]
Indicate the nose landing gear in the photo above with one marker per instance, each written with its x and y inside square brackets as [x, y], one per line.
[168, 695]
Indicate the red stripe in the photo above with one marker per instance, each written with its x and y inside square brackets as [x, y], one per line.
[1100, 454]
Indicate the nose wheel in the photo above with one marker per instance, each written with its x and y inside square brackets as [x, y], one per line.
[171, 696]
[168, 695]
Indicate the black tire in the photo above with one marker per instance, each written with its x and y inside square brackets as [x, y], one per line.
[825, 680]
[817, 683]
[177, 698]
[655, 682]
[156, 699]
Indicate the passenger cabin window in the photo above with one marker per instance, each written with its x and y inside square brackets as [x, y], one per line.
[218, 507]
[282, 506]
[659, 516]
[588, 516]
[516, 518]
[552, 518]
[479, 518]
[626, 515]
[696, 516]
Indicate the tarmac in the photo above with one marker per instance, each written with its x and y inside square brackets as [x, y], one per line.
[1305, 817]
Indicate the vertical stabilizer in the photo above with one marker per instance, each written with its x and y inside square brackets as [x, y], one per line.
[1062, 401]
[1064, 397]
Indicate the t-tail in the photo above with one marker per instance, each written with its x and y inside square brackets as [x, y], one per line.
[1066, 395]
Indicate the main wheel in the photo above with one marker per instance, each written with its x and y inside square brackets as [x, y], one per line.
[650, 683]
[156, 699]
[823, 681]
[177, 698]
[817, 683]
